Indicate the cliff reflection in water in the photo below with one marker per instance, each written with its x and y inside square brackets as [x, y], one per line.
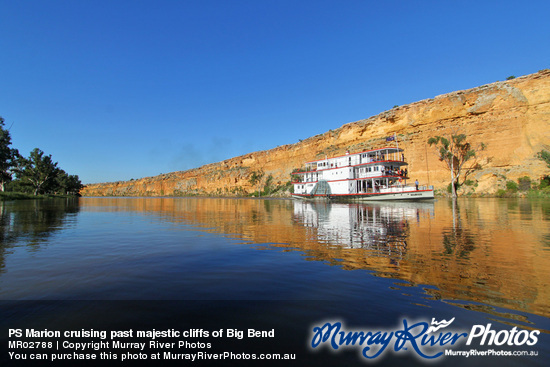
[492, 251]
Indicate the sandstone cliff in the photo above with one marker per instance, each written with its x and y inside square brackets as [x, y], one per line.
[512, 118]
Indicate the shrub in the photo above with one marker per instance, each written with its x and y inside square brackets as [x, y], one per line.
[256, 177]
[511, 186]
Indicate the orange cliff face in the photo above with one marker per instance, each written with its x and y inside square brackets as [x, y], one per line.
[511, 118]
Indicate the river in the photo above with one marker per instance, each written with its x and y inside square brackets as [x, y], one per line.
[280, 265]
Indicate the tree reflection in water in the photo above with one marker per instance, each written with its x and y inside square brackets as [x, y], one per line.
[30, 223]
[457, 240]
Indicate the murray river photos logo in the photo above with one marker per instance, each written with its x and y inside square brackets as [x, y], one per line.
[428, 341]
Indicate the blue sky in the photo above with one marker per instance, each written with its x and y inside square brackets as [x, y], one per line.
[115, 90]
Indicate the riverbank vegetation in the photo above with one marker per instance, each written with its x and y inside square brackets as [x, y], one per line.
[267, 186]
[34, 176]
[525, 186]
[13, 195]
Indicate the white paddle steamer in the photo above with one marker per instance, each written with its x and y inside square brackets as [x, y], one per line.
[379, 174]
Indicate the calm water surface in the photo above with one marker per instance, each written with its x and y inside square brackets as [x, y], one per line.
[483, 259]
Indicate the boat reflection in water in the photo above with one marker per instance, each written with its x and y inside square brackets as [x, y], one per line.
[371, 226]
[381, 229]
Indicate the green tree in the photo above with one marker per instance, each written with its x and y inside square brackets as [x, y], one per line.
[68, 184]
[544, 156]
[458, 155]
[8, 156]
[39, 172]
